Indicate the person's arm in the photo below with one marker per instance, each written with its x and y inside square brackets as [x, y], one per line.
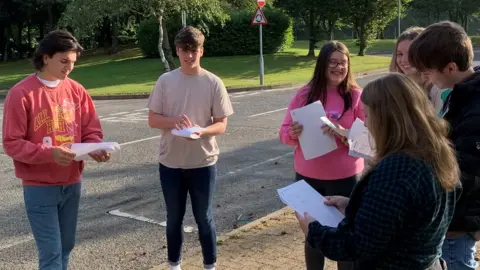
[221, 110]
[284, 132]
[383, 207]
[358, 110]
[14, 133]
[91, 126]
[155, 101]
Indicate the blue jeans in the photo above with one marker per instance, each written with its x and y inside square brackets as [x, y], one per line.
[52, 212]
[200, 184]
[459, 253]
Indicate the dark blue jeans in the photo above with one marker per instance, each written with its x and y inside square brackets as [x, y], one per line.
[52, 212]
[200, 184]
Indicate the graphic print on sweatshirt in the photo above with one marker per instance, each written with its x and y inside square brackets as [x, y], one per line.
[58, 122]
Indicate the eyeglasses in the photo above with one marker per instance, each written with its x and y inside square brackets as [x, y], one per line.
[334, 64]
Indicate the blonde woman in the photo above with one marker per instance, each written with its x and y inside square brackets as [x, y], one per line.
[399, 212]
[401, 64]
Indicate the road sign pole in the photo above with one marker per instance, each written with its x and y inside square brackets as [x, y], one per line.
[261, 56]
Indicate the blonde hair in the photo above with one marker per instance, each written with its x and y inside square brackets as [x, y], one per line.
[409, 34]
[405, 121]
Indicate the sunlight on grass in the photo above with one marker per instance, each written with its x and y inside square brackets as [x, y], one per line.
[128, 72]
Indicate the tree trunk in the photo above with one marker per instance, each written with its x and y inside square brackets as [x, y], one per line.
[313, 39]
[50, 26]
[114, 35]
[160, 41]
[362, 41]
[167, 48]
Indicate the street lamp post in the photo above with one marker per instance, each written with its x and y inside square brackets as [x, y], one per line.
[399, 8]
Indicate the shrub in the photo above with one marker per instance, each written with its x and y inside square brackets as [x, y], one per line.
[235, 37]
[147, 37]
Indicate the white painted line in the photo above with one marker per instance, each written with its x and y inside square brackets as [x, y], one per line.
[141, 110]
[187, 229]
[141, 140]
[269, 112]
[119, 113]
[250, 93]
[24, 239]
[137, 113]
[254, 165]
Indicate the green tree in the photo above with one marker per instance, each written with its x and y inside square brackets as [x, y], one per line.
[369, 17]
[318, 15]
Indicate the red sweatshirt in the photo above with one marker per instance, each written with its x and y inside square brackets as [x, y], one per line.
[37, 117]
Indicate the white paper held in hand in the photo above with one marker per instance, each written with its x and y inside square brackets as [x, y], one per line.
[360, 141]
[301, 197]
[312, 140]
[339, 131]
[82, 150]
[188, 132]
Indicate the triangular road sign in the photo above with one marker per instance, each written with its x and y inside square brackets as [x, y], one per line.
[259, 17]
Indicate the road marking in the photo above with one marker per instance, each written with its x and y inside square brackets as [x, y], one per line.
[17, 242]
[254, 165]
[119, 113]
[142, 110]
[117, 212]
[251, 93]
[141, 140]
[264, 113]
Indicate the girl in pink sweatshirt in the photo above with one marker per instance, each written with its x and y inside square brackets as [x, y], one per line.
[335, 173]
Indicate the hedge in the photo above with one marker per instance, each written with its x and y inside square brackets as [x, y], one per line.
[235, 37]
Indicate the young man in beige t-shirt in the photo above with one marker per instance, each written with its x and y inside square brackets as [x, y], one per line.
[185, 97]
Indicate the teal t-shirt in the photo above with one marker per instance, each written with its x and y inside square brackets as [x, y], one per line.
[445, 94]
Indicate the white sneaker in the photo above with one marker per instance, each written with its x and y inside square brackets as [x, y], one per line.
[175, 267]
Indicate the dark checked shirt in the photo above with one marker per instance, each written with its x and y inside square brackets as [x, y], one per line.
[397, 218]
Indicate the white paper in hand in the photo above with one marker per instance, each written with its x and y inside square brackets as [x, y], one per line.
[188, 132]
[339, 131]
[312, 140]
[360, 141]
[82, 150]
[301, 197]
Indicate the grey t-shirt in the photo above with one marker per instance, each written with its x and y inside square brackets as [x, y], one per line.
[201, 97]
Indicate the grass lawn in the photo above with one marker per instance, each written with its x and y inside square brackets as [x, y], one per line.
[128, 72]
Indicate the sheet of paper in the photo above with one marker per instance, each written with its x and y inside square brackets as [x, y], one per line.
[82, 150]
[187, 132]
[301, 197]
[312, 140]
[339, 131]
[360, 141]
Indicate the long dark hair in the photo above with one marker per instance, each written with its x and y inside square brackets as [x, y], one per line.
[318, 84]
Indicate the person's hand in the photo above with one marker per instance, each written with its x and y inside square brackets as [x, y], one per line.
[330, 131]
[62, 155]
[182, 122]
[304, 220]
[339, 202]
[100, 156]
[295, 129]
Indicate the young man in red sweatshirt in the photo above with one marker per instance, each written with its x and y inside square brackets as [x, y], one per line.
[43, 115]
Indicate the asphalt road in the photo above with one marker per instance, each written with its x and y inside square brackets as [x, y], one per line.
[252, 165]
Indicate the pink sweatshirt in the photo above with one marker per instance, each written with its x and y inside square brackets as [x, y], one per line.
[36, 118]
[336, 164]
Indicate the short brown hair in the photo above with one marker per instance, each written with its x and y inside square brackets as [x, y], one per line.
[401, 119]
[189, 38]
[57, 41]
[440, 44]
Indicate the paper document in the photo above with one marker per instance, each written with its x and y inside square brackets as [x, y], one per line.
[312, 140]
[301, 197]
[82, 150]
[338, 130]
[360, 141]
[187, 132]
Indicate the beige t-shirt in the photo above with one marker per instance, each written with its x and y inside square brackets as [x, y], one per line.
[201, 97]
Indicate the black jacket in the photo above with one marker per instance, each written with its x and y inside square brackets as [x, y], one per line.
[463, 114]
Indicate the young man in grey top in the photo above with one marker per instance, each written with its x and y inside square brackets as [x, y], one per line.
[185, 97]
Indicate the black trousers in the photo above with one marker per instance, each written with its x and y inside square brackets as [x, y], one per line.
[314, 259]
